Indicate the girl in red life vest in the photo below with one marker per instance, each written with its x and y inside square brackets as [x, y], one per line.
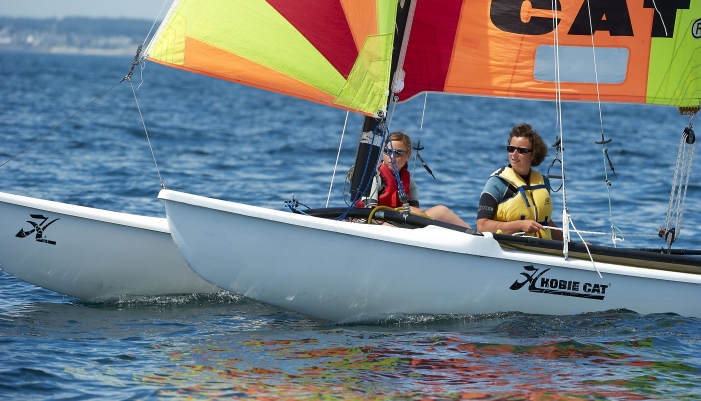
[385, 189]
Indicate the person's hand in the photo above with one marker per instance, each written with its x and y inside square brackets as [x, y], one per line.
[529, 226]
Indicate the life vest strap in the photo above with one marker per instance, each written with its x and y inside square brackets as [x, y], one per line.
[523, 194]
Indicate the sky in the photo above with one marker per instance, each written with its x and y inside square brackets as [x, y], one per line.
[143, 9]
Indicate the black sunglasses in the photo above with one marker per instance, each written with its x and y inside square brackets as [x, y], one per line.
[523, 151]
[400, 153]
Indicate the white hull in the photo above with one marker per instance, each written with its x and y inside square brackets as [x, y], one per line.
[91, 254]
[341, 272]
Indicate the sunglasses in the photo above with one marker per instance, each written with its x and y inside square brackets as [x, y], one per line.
[400, 153]
[523, 151]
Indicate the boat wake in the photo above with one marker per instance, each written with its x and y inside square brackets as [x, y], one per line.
[221, 297]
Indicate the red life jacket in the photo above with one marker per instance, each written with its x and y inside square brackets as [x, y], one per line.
[390, 194]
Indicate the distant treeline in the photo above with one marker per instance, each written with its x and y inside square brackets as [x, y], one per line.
[73, 35]
[79, 26]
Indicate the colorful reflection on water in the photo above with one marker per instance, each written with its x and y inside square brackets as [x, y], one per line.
[346, 363]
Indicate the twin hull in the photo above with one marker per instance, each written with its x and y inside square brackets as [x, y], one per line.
[91, 254]
[344, 272]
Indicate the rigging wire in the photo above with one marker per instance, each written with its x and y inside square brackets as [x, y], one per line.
[603, 141]
[146, 132]
[418, 144]
[134, 63]
[391, 113]
[155, 21]
[62, 122]
[338, 155]
[558, 107]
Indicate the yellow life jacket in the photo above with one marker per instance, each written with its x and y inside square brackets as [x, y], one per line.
[530, 202]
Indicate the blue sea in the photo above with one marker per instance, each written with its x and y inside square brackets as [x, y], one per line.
[227, 141]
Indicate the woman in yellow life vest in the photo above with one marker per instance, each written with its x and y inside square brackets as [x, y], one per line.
[516, 198]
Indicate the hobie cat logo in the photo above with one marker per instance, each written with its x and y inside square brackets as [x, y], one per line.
[38, 229]
[549, 285]
[696, 29]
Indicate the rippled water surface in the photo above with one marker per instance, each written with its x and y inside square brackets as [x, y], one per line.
[231, 142]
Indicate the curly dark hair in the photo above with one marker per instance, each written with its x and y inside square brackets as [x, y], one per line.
[540, 149]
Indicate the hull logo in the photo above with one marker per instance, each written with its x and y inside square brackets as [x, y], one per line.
[39, 229]
[538, 282]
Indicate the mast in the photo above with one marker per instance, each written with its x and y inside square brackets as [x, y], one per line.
[370, 145]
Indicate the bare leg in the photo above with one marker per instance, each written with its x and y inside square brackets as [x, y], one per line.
[442, 213]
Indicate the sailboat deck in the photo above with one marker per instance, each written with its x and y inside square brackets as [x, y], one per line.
[602, 254]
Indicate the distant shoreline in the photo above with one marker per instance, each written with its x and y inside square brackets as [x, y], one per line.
[76, 51]
[75, 35]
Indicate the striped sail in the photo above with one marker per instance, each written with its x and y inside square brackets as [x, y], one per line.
[338, 52]
[335, 52]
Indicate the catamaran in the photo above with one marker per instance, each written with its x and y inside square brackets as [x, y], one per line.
[92, 254]
[361, 56]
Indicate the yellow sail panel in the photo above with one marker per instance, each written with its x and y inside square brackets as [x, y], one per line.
[168, 45]
[386, 16]
[368, 82]
[367, 87]
[252, 29]
[675, 62]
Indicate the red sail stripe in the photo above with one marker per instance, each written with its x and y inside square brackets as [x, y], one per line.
[323, 23]
[430, 46]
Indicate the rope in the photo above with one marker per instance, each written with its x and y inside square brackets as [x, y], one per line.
[602, 232]
[381, 126]
[292, 205]
[146, 132]
[61, 123]
[395, 171]
[677, 197]
[376, 208]
[338, 155]
[587, 247]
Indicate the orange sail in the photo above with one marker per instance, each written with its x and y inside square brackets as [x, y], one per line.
[641, 51]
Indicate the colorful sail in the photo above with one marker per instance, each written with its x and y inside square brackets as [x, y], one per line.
[335, 52]
[646, 51]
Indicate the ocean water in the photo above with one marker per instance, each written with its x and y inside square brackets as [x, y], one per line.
[231, 142]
